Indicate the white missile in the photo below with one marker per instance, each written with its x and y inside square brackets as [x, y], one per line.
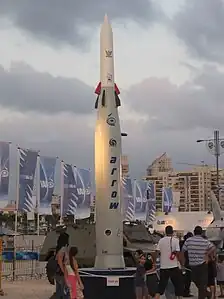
[109, 222]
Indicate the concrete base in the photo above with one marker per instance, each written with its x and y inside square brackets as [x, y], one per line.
[108, 284]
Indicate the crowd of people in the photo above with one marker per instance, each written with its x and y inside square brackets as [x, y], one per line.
[192, 259]
[62, 269]
[181, 262]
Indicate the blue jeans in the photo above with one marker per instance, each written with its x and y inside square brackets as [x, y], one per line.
[62, 291]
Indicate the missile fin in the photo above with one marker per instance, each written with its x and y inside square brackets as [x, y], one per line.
[116, 89]
[96, 103]
[98, 88]
[117, 100]
[103, 99]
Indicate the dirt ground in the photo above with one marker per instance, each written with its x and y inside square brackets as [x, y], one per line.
[28, 289]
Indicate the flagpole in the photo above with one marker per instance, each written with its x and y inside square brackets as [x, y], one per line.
[134, 195]
[73, 169]
[16, 211]
[148, 199]
[62, 191]
[17, 188]
[38, 194]
[163, 194]
[121, 193]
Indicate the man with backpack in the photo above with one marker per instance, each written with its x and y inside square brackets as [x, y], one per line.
[56, 267]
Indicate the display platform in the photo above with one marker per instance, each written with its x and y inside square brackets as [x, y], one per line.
[108, 284]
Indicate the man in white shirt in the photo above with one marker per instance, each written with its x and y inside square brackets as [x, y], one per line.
[169, 250]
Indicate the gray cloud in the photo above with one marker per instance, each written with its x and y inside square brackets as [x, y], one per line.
[61, 22]
[196, 104]
[200, 25]
[60, 135]
[177, 117]
[23, 89]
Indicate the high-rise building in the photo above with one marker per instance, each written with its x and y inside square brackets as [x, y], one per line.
[161, 164]
[195, 189]
[159, 172]
[161, 180]
[194, 186]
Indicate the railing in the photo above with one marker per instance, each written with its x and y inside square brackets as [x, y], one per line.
[24, 264]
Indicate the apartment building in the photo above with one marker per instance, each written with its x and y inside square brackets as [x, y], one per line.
[194, 186]
[162, 164]
[159, 172]
[160, 180]
[195, 189]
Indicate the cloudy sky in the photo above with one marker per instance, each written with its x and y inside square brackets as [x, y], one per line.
[169, 64]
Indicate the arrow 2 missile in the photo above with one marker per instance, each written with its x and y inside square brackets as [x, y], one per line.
[109, 222]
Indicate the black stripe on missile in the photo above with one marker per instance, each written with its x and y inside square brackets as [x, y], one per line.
[96, 103]
[117, 100]
[103, 99]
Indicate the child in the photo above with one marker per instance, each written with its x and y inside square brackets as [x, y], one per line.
[73, 279]
[140, 279]
[220, 275]
[151, 276]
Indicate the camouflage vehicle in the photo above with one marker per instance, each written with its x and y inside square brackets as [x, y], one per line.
[136, 236]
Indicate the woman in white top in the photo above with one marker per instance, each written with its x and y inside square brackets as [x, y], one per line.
[73, 279]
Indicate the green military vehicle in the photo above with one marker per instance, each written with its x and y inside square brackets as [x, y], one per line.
[136, 236]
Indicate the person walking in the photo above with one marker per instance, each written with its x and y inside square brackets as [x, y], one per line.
[187, 274]
[212, 273]
[220, 275]
[170, 259]
[73, 279]
[62, 291]
[140, 279]
[151, 276]
[199, 249]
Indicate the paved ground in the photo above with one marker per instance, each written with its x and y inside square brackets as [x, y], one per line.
[38, 289]
[29, 289]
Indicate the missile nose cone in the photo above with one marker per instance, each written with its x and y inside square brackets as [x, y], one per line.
[106, 19]
[106, 24]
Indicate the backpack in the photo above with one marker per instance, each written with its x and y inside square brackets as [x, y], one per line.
[51, 269]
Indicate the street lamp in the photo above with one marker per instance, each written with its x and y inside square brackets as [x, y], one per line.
[216, 148]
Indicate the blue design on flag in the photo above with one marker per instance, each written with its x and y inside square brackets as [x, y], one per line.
[8, 256]
[27, 167]
[167, 199]
[4, 177]
[151, 200]
[128, 199]
[83, 183]
[47, 182]
[140, 200]
[70, 197]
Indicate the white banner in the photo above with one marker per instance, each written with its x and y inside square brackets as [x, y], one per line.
[176, 201]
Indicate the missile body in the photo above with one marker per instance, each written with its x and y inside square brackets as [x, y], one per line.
[109, 224]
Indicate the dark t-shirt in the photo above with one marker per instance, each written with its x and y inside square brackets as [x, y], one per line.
[148, 264]
[140, 279]
[186, 264]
